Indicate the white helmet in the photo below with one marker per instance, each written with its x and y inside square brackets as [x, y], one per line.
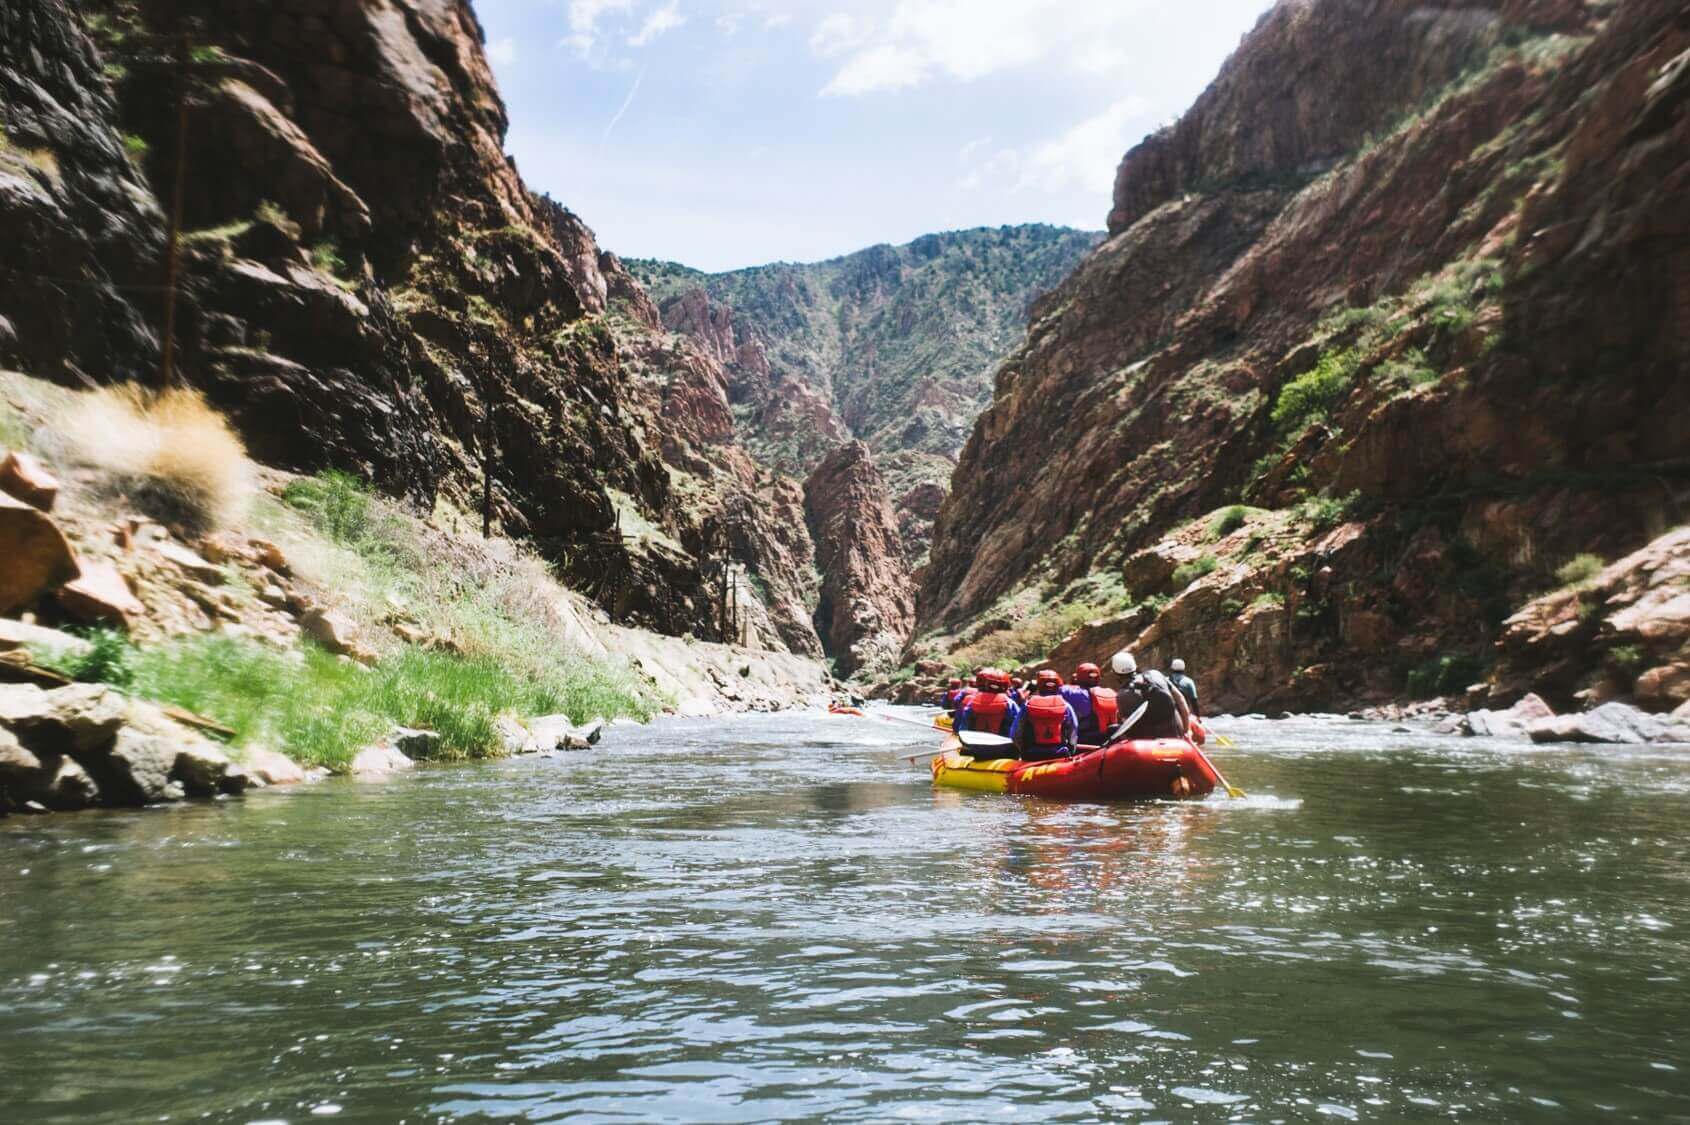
[1178, 665]
[1123, 663]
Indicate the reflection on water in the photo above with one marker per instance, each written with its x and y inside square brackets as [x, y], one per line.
[698, 923]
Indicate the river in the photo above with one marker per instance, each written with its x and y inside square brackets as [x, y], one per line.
[772, 918]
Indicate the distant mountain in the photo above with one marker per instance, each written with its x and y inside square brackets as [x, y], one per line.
[894, 345]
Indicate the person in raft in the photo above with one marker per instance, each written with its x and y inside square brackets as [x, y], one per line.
[989, 710]
[1018, 691]
[955, 696]
[1094, 705]
[1047, 727]
[1167, 715]
[1187, 686]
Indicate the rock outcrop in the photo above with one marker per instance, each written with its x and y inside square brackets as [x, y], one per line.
[85, 744]
[366, 282]
[1410, 280]
[867, 606]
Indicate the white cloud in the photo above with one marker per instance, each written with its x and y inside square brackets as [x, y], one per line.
[963, 40]
[666, 18]
[502, 52]
[837, 34]
[1085, 156]
[885, 67]
[584, 20]
[1082, 158]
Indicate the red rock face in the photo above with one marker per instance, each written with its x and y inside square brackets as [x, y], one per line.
[1493, 287]
[867, 607]
[367, 282]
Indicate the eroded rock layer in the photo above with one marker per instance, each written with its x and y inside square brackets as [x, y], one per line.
[1408, 286]
[867, 605]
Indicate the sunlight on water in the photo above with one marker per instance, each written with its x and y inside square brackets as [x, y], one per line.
[776, 919]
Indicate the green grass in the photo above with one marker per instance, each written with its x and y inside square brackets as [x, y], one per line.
[1411, 369]
[1270, 598]
[498, 609]
[1187, 573]
[110, 660]
[1578, 570]
[321, 710]
[1627, 660]
[135, 146]
[1229, 521]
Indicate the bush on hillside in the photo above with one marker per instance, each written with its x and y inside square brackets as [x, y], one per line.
[1229, 521]
[1578, 570]
[1313, 395]
[170, 454]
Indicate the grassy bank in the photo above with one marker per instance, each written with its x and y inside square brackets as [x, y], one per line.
[496, 622]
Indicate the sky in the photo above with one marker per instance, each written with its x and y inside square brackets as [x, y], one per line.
[729, 133]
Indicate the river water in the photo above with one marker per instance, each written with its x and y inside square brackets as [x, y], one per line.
[773, 918]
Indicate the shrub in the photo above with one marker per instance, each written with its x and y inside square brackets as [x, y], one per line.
[135, 146]
[1312, 396]
[172, 455]
[1411, 369]
[1270, 598]
[1444, 675]
[1627, 660]
[1229, 521]
[338, 503]
[1578, 570]
[1329, 511]
[1187, 573]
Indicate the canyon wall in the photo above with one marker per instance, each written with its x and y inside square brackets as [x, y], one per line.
[1390, 326]
[366, 283]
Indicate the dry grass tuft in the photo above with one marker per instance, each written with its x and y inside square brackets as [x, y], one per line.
[170, 454]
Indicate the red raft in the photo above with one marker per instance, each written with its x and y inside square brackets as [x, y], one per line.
[1145, 768]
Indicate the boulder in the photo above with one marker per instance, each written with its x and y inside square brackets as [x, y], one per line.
[38, 639]
[26, 478]
[190, 563]
[336, 632]
[203, 769]
[416, 744]
[591, 732]
[136, 771]
[375, 761]
[514, 737]
[271, 556]
[64, 785]
[37, 558]
[1617, 723]
[80, 718]
[1511, 723]
[270, 768]
[100, 593]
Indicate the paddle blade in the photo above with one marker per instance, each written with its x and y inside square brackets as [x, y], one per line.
[980, 740]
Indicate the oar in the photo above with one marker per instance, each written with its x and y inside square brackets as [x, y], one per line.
[1225, 741]
[1231, 790]
[1131, 721]
[924, 724]
[973, 739]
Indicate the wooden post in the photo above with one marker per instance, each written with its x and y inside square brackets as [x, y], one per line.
[487, 474]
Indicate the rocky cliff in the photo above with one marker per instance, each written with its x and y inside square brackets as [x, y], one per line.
[894, 345]
[1389, 327]
[366, 283]
[867, 605]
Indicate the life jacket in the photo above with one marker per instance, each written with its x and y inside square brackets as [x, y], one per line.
[988, 712]
[1046, 713]
[1104, 706]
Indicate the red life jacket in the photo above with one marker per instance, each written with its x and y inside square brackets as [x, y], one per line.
[988, 712]
[1104, 706]
[1046, 713]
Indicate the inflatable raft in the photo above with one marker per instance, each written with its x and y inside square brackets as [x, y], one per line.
[1161, 767]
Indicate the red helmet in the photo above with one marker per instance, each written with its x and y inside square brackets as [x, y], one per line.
[1048, 681]
[1088, 674]
[955, 683]
[990, 679]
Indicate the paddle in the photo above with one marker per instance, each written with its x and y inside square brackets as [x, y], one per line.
[1231, 790]
[973, 739]
[1225, 741]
